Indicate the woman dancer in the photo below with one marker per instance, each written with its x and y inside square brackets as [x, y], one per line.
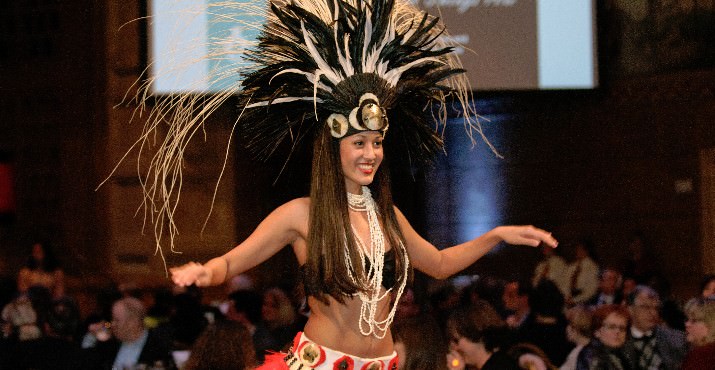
[342, 72]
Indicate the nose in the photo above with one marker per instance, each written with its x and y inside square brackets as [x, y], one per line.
[369, 152]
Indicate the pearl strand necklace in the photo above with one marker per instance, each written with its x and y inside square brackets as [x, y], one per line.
[373, 275]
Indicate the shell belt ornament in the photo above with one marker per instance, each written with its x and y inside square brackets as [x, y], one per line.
[375, 256]
[308, 355]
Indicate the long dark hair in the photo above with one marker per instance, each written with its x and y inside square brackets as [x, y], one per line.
[326, 271]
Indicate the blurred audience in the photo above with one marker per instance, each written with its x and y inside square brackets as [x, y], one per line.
[578, 332]
[545, 326]
[57, 349]
[515, 301]
[223, 345]
[707, 286]
[420, 345]
[700, 333]
[531, 357]
[652, 345]
[609, 288]
[640, 264]
[408, 307]
[42, 269]
[131, 343]
[552, 267]
[582, 273]
[23, 318]
[480, 337]
[278, 325]
[605, 351]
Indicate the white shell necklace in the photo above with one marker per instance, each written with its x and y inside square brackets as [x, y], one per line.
[373, 272]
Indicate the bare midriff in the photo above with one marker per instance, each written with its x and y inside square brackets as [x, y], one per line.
[336, 326]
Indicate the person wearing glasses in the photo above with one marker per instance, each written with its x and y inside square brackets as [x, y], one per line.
[700, 333]
[605, 350]
[652, 345]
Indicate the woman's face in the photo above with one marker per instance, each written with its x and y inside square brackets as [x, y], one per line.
[696, 332]
[360, 157]
[613, 331]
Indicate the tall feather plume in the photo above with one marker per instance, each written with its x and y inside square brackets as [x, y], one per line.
[311, 59]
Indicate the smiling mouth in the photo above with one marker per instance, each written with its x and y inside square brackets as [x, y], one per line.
[366, 168]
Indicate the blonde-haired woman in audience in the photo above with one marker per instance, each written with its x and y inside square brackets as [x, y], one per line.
[578, 332]
[700, 334]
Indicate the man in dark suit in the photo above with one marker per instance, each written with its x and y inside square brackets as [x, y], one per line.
[652, 345]
[609, 289]
[132, 344]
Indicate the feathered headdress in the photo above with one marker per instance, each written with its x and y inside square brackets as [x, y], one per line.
[351, 65]
[339, 65]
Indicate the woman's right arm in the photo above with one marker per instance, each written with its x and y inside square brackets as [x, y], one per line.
[283, 226]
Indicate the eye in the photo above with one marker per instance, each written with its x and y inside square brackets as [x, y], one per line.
[358, 143]
[377, 143]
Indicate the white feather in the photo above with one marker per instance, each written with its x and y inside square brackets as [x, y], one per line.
[393, 76]
[323, 66]
[282, 100]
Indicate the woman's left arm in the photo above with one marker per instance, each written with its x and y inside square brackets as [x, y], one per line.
[444, 263]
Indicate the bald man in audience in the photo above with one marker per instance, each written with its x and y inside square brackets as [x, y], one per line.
[132, 344]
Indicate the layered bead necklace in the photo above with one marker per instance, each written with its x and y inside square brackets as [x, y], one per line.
[375, 255]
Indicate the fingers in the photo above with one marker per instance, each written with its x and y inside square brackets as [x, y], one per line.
[539, 236]
[185, 275]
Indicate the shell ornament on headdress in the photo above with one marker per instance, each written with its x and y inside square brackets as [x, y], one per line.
[339, 65]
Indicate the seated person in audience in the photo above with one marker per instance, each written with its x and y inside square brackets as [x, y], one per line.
[279, 323]
[245, 308]
[651, 344]
[223, 345]
[578, 332]
[582, 274]
[515, 299]
[707, 286]
[41, 269]
[551, 267]
[700, 333]
[132, 344]
[609, 288]
[419, 344]
[545, 326]
[480, 337]
[58, 348]
[23, 317]
[531, 357]
[408, 307]
[605, 350]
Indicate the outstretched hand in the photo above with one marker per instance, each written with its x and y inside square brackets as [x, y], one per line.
[526, 235]
[191, 273]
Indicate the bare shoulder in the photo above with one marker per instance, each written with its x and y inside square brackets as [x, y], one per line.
[297, 206]
[400, 216]
[296, 210]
